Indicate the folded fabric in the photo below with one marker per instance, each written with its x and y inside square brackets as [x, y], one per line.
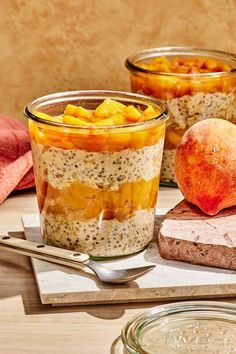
[16, 170]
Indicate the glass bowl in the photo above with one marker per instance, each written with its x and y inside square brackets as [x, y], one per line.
[182, 328]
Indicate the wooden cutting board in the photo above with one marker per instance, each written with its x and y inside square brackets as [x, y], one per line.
[169, 280]
[187, 234]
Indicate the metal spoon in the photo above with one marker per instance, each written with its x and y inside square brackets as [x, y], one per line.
[71, 259]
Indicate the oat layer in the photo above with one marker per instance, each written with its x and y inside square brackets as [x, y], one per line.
[168, 171]
[100, 237]
[110, 170]
[187, 110]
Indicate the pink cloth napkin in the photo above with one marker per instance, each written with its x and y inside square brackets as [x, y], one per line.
[16, 170]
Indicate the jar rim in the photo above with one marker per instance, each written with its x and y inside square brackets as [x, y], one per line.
[181, 50]
[83, 95]
[139, 323]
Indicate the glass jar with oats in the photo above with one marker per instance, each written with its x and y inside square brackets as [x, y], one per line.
[97, 159]
[194, 83]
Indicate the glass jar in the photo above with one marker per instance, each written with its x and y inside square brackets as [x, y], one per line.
[96, 186]
[183, 327]
[190, 97]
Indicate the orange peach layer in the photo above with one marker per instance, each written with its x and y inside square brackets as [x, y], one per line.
[169, 87]
[93, 140]
[81, 202]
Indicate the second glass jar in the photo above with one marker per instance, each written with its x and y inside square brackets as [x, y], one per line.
[191, 95]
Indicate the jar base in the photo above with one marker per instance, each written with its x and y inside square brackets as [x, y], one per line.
[108, 258]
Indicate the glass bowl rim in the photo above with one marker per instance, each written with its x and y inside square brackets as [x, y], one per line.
[145, 318]
[102, 94]
[131, 66]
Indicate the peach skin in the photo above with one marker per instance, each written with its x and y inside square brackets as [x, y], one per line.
[205, 165]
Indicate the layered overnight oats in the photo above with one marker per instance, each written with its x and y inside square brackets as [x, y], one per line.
[195, 84]
[97, 160]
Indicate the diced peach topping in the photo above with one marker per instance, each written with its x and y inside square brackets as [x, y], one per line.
[173, 85]
[109, 113]
[194, 65]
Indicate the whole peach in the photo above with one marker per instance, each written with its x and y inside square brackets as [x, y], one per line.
[205, 165]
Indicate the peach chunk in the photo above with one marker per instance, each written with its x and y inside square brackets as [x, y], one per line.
[205, 165]
[79, 112]
[149, 113]
[116, 119]
[108, 108]
[47, 117]
[76, 121]
[132, 114]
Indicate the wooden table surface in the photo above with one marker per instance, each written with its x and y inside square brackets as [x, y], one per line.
[27, 326]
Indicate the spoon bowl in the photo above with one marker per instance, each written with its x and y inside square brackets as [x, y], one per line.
[111, 276]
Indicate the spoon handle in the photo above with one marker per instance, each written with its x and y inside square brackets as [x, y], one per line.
[47, 253]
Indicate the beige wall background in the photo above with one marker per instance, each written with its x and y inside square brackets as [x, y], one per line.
[58, 45]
